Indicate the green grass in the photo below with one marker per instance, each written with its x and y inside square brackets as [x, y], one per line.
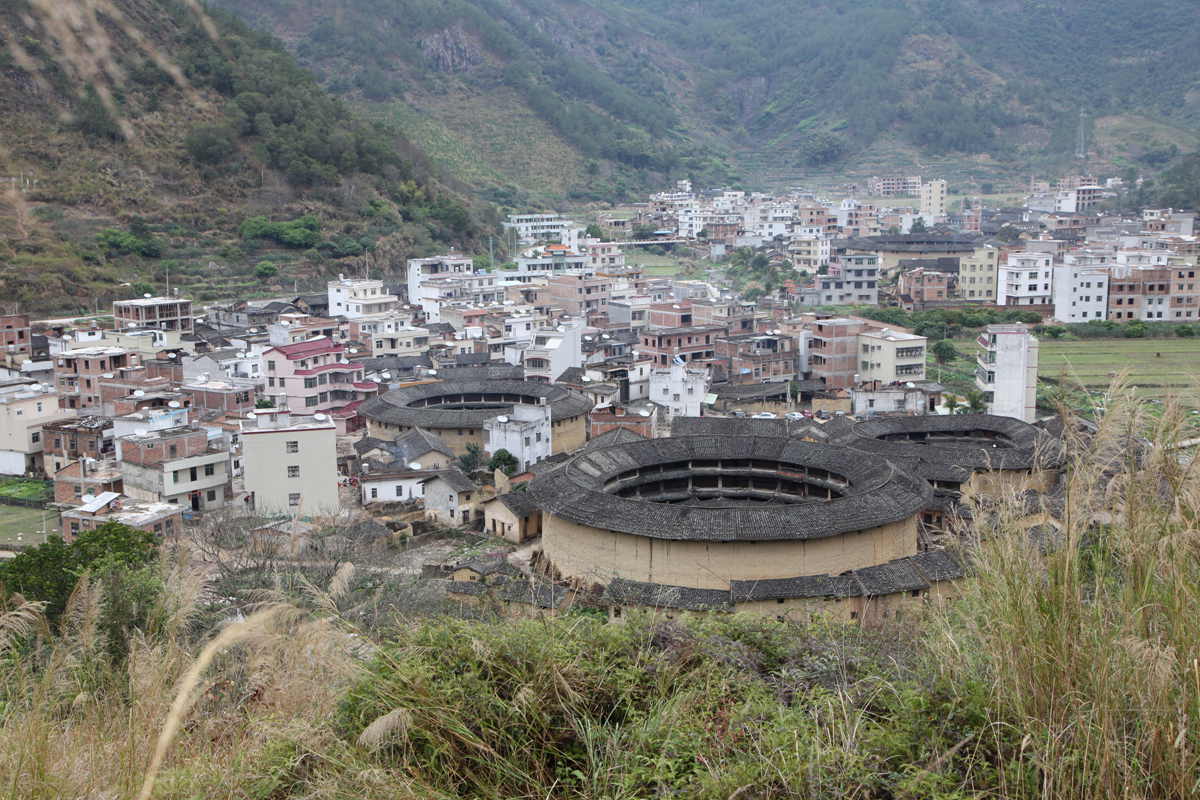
[25, 489]
[1157, 368]
[15, 520]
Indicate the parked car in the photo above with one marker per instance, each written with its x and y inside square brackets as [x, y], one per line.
[765, 415]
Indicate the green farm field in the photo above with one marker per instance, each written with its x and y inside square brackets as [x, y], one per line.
[20, 525]
[1156, 367]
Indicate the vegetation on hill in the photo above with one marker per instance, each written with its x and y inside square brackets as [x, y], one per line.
[1065, 669]
[150, 130]
[641, 91]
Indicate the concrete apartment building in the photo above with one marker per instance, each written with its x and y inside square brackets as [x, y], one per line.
[359, 297]
[977, 273]
[161, 519]
[769, 356]
[1080, 292]
[534, 228]
[313, 376]
[77, 373]
[1006, 371]
[16, 339]
[177, 465]
[933, 201]
[888, 356]
[226, 395]
[1025, 279]
[679, 389]
[75, 438]
[420, 269]
[578, 295]
[525, 432]
[920, 288]
[290, 463]
[26, 406]
[549, 261]
[894, 185]
[163, 313]
[690, 344]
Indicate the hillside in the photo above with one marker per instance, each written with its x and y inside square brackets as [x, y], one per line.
[138, 137]
[565, 99]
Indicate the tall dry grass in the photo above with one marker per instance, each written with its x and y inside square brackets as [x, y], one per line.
[181, 716]
[1090, 643]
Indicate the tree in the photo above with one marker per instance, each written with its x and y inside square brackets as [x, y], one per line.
[93, 118]
[210, 144]
[918, 226]
[594, 231]
[943, 351]
[976, 402]
[264, 270]
[951, 403]
[264, 402]
[471, 460]
[504, 461]
[50, 571]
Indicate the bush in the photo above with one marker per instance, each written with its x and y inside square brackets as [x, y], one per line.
[210, 144]
[302, 232]
[265, 269]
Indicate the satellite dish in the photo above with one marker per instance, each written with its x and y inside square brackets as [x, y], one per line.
[174, 404]
[644, 413]
[674, 305]
[414, 465]
[130, 324]
[172, 355]
[319, 417]
[87, 498]
[251, 415]
[431, 372]
[502, 419]
[140, 432]
[605, 336]
[586, 379]
[147, 295]
[387, 376]
[353, 351]
[139, 393]
[458, 336]
[910, 384]
[252, 330]
[285, 324]
[108, 376]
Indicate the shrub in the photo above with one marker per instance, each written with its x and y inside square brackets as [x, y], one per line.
[265, 269]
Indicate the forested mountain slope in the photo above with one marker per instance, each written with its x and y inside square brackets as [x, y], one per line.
[137, 137]
[574, 99]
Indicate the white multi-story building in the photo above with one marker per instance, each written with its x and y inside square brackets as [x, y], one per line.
[550, 261]
[290, 463]
[533, 228]
[1080, 293]
[525, 432]
[888, 356]
[550, 353]
[359, 297]
[1006, 371]
[25, 406]
[679, 389]
[420, 269]
[1025, 280]
[479, 289]
[933, 201]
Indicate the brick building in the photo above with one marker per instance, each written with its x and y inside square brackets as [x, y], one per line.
[77, 373]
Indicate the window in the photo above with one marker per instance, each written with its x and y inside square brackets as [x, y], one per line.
[36, 437]
[172, 450]
[294, 471]
[375, 493]
[291, 447]
[212, 495]
[294, 499]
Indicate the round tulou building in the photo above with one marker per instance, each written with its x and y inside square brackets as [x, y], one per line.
[458, 409]
[760, 517]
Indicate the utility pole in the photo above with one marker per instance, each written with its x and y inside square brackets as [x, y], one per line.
[1081, 136]
[491, 255]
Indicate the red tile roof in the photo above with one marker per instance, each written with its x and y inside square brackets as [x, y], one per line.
[310, 347]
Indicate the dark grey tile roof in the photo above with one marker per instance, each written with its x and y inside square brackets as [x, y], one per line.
[889, 578]
[658, 595]
[404, 406]
[949, 441]
[877, 493]
[472, 588]
[939, 565]
[396, 362]
[492, 564]
[457, 480]
[787, 588]
[416, 443]
[571, 375]
[518, 503]
[535, 592]
[490, 372]
[614, 436]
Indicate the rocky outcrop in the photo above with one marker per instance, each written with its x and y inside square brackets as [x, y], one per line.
[452, 49]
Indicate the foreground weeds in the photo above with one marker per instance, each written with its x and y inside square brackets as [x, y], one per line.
[1067, 669]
